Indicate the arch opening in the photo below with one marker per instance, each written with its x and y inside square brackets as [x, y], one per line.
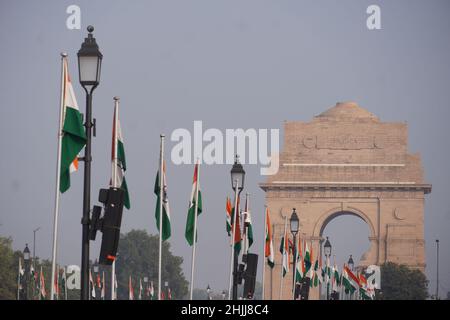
[348, 234]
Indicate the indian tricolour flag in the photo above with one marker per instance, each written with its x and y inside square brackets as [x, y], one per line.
[268, 250]
[307, 259]
[43, 293]
[284, 249]
[248, 228]
[228, 216]
[72, 131]
[300, 265]
[348, 284]
[119, 164]
[130, 289]
[152, 291]
[166, 227]
[196, 197]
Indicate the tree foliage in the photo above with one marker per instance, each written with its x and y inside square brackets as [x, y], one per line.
[138, 258]
[398, 282]
[8, 272]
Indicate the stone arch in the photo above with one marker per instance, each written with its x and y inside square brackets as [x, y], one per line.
[335, 212]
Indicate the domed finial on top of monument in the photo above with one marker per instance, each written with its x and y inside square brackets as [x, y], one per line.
[347, 110]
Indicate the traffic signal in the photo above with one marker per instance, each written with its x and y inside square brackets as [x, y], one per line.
[250, 275]
[109, 224]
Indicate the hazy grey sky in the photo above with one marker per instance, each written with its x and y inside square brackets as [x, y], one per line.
[231, 64]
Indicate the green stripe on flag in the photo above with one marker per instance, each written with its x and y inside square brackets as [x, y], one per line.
[74, 139]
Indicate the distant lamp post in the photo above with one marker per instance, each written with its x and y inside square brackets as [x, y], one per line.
[89, 67]
[237, 184]
[237, 175]
[208, 291]
[350, 263]
[26, 259]
[437, 269]
[327, 252]
[294, 225]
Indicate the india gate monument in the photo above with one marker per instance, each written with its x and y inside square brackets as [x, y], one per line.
[346, 161]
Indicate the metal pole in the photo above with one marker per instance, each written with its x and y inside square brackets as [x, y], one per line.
[235, 276]
[264, 253]
[114, 181]
[18, 280]
[86, 199]
[282, 258]
[161, 196]
[294, 266]
[236, 256]
[437, 269]
[58, 169]
[328, 278]
[244, 218]
[194, 241]
[236, 183]
[113, 274]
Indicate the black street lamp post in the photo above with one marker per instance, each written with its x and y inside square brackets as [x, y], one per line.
[327, 252]
[26, 259]
[351, 263]
[294, 226]
[89, 66]
[208, 291]
[237, 181]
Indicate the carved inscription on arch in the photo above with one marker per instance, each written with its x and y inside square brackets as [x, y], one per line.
[342, 142]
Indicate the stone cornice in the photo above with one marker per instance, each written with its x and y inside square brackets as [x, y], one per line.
[425, 188]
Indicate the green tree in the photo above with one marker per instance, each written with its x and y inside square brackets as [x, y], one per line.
[398, 282]
[8, 270]
[138, 256]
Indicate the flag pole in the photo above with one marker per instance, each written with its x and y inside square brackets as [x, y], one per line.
[282, 258]
[113, 270]
[264, 252]
[245, 225]
[18, 280]
[114, 183]
[65, 284]
[233, 234]
[58, 170]
[161, 175]
[195, 229]
[114, 179]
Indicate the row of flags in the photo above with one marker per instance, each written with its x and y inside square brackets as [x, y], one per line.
[149, 292]
[308, 266]
[98, 284]
[38, 283]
